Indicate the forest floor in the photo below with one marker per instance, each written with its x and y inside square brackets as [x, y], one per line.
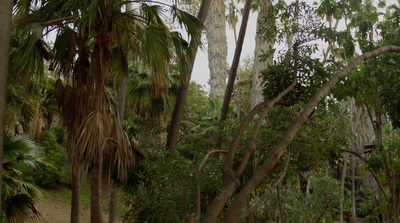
[56, 206]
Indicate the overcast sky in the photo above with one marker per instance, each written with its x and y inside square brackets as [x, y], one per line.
[201, 72]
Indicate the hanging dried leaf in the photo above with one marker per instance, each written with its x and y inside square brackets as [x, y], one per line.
[93, 133]
[120, 155]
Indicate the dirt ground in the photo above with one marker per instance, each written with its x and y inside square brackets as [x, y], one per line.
[59, 212]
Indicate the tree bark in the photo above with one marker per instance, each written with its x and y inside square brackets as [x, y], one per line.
[217, 48]
[228, 189]
[353, 188]
[5, 33]
[114, 189]
[95, 189]
[75, 191]
[172, 138]
[233, 71]
[230, 177]
[262, 46]
[342, 182]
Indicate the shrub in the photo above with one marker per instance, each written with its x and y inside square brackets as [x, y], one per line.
[48, 176]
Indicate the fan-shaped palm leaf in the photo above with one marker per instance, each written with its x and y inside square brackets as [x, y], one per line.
[22, 149]
[22, 197]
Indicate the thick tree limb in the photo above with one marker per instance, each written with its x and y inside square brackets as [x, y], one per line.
[252, 144]
[231, 181]
[197, 215]
[271, 161]
[266, 194]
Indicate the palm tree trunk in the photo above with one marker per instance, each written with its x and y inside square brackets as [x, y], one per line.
[95, 187]
[5, 32]
[172, 138]
[75, 190]
[114, 191]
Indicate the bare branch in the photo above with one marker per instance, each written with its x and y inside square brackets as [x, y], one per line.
[370, 170]
[203, 162]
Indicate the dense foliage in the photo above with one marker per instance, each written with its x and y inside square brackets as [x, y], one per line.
[343, 160]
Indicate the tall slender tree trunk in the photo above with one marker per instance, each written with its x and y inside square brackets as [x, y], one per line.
[262, 46]
[217, 48]
[5, 33]
[353, 188]
[342, 182]
[172, 138]
[278, 198]
[377, 127]
[114, 189]
[75, 190]
[234, 67]
[95, 188]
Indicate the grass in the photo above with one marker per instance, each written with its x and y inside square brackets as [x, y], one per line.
[63, 194]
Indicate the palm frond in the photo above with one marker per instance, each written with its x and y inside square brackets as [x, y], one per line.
[21, 208]
[21, 197]
[27, 58]
[92, 134]
[22, 149]
[156, 51]
[190, 22]
[65, 48]
[120, 154]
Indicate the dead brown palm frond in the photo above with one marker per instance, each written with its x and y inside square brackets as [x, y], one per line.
[93, 132]
[59, 90]
[120, 155]
[75, 108]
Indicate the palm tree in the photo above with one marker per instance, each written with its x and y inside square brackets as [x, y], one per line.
[21, 197]
[94, 132]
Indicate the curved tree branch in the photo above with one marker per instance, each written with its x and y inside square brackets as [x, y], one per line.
[271, 161]
[267, 194]
[252, 144]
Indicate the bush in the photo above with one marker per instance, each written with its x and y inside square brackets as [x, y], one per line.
[50, 175]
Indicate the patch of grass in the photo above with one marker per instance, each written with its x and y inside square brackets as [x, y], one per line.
[63, 193]
[57, 194]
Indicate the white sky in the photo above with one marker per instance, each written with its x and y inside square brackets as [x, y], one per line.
[201, 73]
